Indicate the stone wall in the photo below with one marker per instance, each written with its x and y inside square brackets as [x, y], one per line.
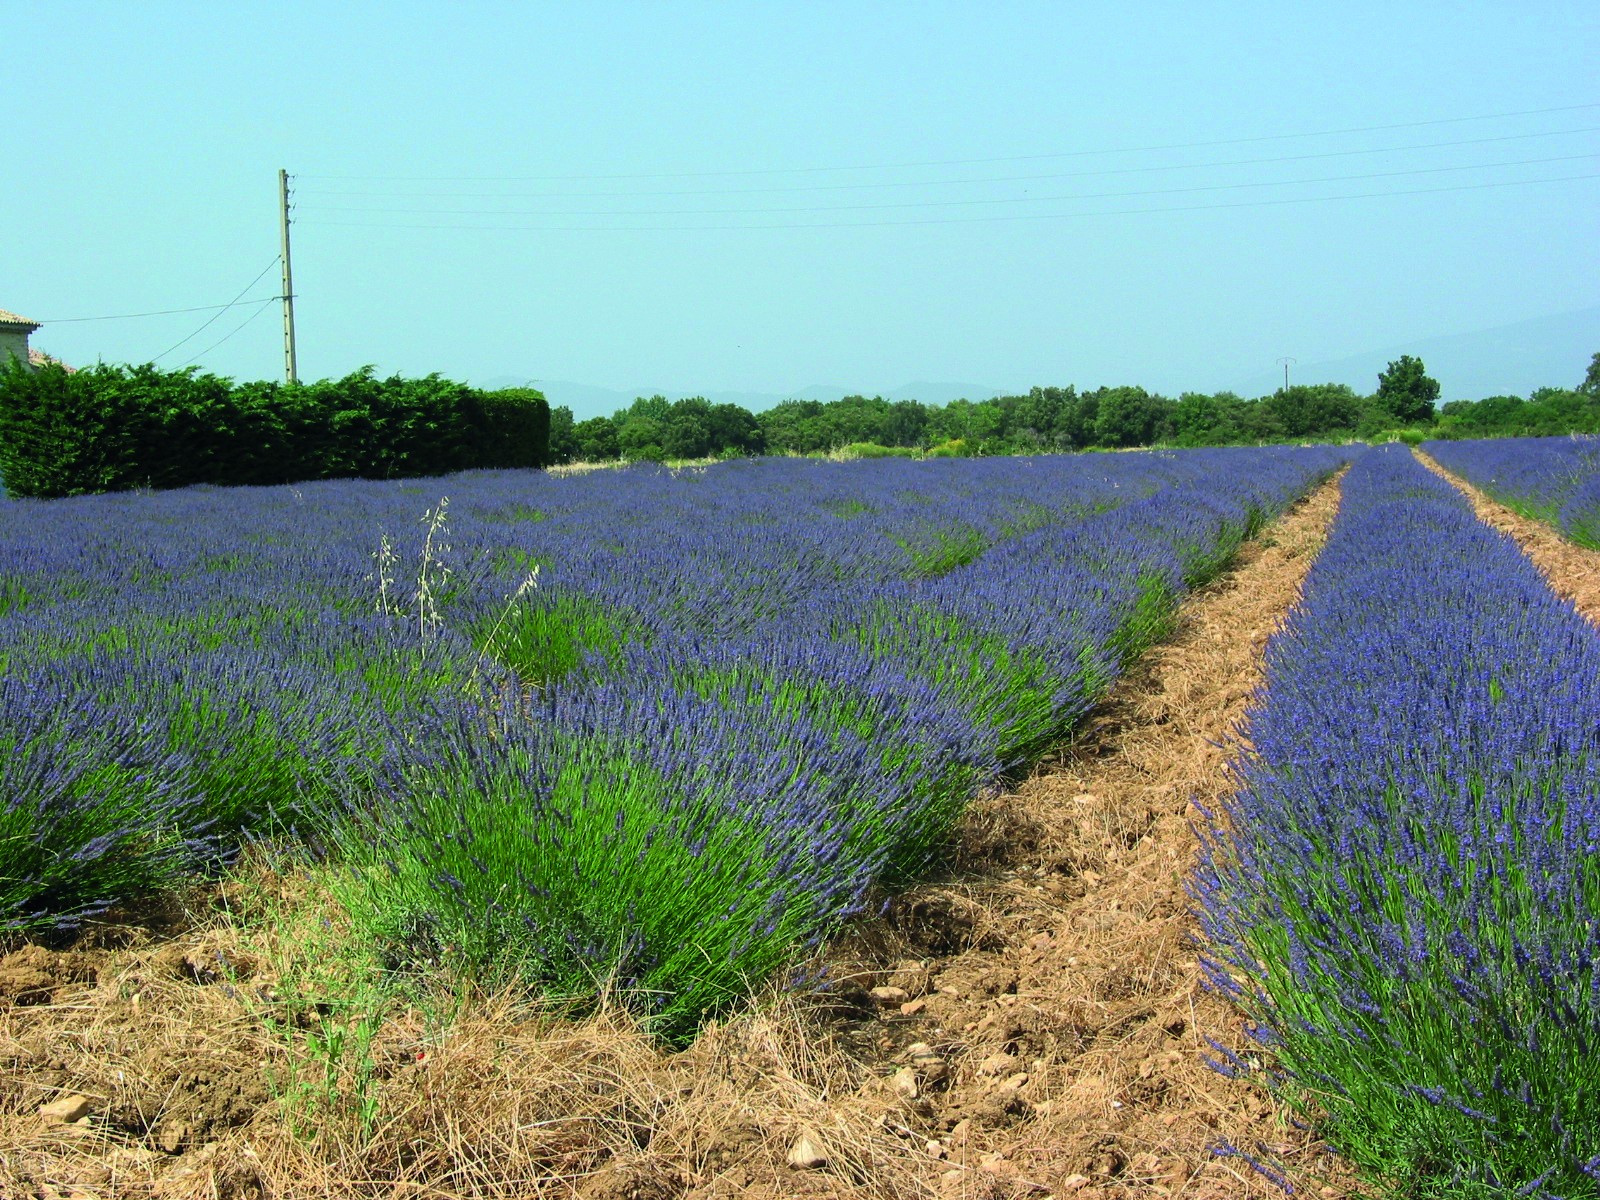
[13, 341]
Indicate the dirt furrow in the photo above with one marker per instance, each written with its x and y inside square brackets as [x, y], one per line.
[1573, 571]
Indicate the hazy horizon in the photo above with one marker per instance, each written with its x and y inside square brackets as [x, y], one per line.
[1509, 360]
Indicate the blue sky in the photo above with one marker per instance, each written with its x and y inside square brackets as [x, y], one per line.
[766, 197]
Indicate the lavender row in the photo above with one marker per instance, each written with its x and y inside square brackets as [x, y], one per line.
[1554, 479]
[1405, 890]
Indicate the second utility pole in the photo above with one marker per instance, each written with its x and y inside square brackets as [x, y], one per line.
[290, 373]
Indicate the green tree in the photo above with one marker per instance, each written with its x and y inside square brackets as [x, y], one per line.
[1202, 419]
[1129, 416]
[1039, 417]
[563, 440]
[686, 436]
[1076, 424]
[905, 424]
[974, 423]
[794, 427]
[855, 419]
[642, 439]
[1551, 412]
[654, 408]
[1405, 391]
[1591, 379]
[1490, 417]
[596, 440]
[1310, 410]
[734, 430]
[686, 428]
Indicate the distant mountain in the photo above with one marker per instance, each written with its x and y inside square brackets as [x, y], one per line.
[1503, 360]
[586, 400]
[942, 393]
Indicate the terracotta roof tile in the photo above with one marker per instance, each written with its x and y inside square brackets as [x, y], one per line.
[39, 358]
[11, 318]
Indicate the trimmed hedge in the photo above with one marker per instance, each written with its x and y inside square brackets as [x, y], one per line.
[112, 428]
[513, 428]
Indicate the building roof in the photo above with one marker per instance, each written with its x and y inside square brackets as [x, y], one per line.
[11, 318]
[39, 358]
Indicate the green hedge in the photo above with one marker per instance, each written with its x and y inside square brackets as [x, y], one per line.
[111, 428]
[513, 429]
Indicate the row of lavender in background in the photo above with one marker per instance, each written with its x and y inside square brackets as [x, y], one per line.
[1405, 892]
[1551, 479]
[735, 700]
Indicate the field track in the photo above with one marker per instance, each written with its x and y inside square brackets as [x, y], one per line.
[1050, 982]
[1572, 570]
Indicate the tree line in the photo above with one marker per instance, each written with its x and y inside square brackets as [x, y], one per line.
[1062, 418]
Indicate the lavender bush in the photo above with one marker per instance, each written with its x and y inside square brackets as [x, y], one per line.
[92, 808]
[1405, 891]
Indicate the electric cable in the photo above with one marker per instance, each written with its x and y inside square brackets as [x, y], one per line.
[904, 183]
[165, 312]
[959, 162]
[259, 310]
[1115, 212]
[903, 204]
[236, 300]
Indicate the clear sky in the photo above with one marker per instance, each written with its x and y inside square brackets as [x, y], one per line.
[766, 196]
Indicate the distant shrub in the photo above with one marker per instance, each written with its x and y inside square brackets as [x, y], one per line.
[955, 448]
[874, 450]
[1406, 437]
[114, 428]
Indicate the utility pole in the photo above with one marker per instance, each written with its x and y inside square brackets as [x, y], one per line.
[1285, 361]
[290, 372]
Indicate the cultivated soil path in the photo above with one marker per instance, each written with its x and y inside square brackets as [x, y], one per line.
[1034, 1025]
[1572, 570]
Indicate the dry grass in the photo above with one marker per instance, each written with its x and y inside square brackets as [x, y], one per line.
[1045, 1038]
[205, 1061]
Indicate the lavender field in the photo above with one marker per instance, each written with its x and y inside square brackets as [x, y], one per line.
[649, 727]
[651, 735]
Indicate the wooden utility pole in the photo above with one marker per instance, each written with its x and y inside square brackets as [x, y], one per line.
[290, 372]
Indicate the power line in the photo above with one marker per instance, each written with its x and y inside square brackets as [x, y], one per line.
[261, 308]
[961, 162]
[1115, 212]
[904, 183]
[165, 312]
[970, 202]
[236, 300]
